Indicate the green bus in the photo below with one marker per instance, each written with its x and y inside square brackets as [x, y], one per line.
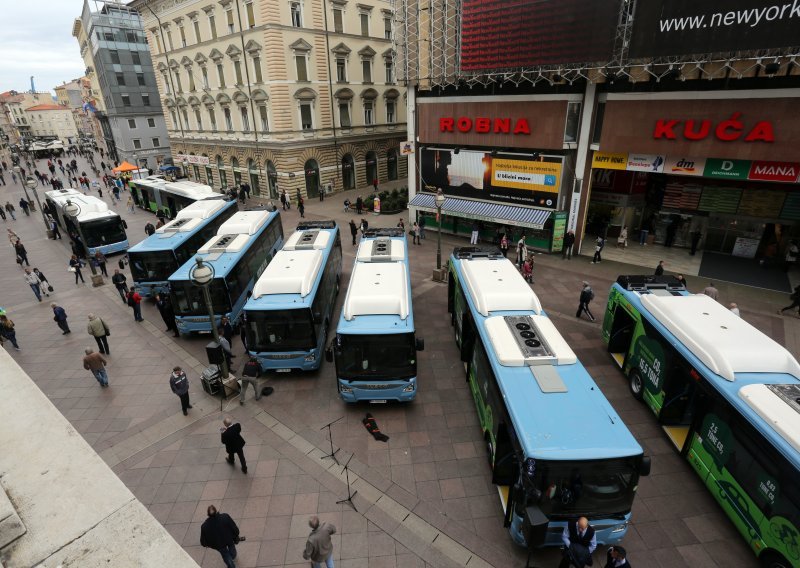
[726, 395]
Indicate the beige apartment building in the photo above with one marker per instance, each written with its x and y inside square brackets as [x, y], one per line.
[71, 94]
[281, 94]
[53, 120]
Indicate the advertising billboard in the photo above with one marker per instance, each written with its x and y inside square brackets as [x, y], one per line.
[507, 34]
[510, 178]
[683, 27]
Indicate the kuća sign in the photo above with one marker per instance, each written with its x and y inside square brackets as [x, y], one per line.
[484, 125]
[734, 129]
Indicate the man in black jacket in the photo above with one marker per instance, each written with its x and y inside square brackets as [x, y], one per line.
[579, 544]
[233, 441]
[616, 557]
[120, 283]
[220, 533]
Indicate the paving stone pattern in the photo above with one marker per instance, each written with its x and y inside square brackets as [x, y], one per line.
[425, 498]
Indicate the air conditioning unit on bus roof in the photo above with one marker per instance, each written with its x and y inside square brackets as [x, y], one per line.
[310, 239]
[528, 340]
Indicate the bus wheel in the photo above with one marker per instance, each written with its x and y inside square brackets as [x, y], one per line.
[635, 384]
[773, 560]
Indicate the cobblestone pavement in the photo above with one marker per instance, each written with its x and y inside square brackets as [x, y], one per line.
[424, 498]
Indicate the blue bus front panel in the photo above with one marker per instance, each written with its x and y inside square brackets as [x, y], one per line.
[121, 246]
[290, 361]
[150, 289]
[383, 391]
[197, 324]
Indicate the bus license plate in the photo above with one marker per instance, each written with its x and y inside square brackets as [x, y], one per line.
[378, 401]
[283, 370]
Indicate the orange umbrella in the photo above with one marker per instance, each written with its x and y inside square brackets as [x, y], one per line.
[125, 167]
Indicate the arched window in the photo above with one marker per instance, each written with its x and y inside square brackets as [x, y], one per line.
[272, 179]
[223, 177]
[391, 164]
[311, 170]
[372, 167]
[252, 172]
[209, 173]
[237, 175]
[348, 172]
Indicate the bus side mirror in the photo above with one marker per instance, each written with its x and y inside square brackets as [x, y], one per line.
[420, 344]
[644, 467]
[329, 355]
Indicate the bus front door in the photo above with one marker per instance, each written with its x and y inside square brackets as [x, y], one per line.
[145, 204]
[683, 398]
[173, 211]
[620, 334]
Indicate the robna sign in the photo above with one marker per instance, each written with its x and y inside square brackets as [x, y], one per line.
[483, 125]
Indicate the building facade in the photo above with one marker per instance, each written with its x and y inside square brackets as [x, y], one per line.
[673, 149]
[50, 120]
[114, 48]
[16, 124]
[294, 95]
[71, 95]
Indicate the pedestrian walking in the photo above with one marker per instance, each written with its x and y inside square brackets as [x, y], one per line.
[415, 234]
[250, 374]
[795, 298]
[375, 184]
[617, 557]
[598, 248]
[301, 206]
[22, 253]
[44, 286]
[476, 230]
[359, 205]
[734, 308]
[149, 229]
[98, 329]
[660, 268]
[75, 265]
[226, 347]
[134, 301]
[231, 436]
[24, 206]
[60, 317]
[401, 225]
[711, 291]
[298, 195]
[34, 282]
[164, 306]
[120, 283]
[587, 295]
[364, 226]
[569, 242]
[179, 383]
[579, 543]
[7, 331]
[3, 214]
[622, 239]
[422, 227]
[219, 532]
[12, 237]
[522, 251]
[95, 363]
[319, 548]
[129, 205]
[283, 200]
[504, 246]
[227, 329]
[100, 262]
[353, 231]
[680, 278]
[51, 222]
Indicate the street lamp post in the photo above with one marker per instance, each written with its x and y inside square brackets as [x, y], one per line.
[32, 185]
[73, 210]
[202, 275]
[439, 203]
[18, 171]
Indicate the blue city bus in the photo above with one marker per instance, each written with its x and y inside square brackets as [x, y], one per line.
[290, 312]
[557, 449]
[375, 347]
[154, 259]
[100, 229]
[239, 253]
[727, 397]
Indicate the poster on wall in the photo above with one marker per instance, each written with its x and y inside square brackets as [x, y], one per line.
[498, 34]
[559, 229]
[683, 27]
[510, 178]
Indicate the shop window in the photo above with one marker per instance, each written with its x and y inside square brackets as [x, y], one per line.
[572, 122]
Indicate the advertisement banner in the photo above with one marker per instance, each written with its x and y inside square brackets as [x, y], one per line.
[507, 178]
[726, 169]
[406, 148]
[685, 166]
[498, 34]
[682, 27]
[559, 228]
[192, 159]
[645, 163]
[609, 161]
[774, 171]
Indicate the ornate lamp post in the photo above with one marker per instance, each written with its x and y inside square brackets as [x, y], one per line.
[22, 180]
[32, 184]
[202, 275]
[439, 203]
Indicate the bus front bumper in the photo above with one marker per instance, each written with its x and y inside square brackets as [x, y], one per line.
[607, 531]
[303, 361]
[121, 246]
[354, 391]
[150, 289]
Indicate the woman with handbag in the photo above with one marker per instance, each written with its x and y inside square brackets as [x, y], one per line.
[44, 285]
[98, 329]
[75, 266]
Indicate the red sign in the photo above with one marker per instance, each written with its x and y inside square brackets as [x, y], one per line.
[774, 171]
[484, 125]
[730, 130]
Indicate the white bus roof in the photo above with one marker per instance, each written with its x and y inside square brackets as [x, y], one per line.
[189, 189]
[724, 342]
[772, 404]
[308, 239]
[191, 216]
[496, 286]
[290, 272]
[151, 181]
[377, 288]
[244, 223]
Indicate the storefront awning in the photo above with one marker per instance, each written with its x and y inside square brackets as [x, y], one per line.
[484, 211]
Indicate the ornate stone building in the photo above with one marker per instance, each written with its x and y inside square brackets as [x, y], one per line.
[282, 94]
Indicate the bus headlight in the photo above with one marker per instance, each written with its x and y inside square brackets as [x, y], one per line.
[412, 386]
[619, 528]
[343, 388]
[310, 358]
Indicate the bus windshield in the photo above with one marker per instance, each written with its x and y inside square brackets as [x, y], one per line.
[187, 299]
[280, 330]
[152, 266]
[587, 488]
[103, 231]
[367, 357]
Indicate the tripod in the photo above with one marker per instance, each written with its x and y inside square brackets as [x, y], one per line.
[349, 495]
[331, 455]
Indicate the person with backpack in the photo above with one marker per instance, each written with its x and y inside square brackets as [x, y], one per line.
[587, 295]
[135, 301]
